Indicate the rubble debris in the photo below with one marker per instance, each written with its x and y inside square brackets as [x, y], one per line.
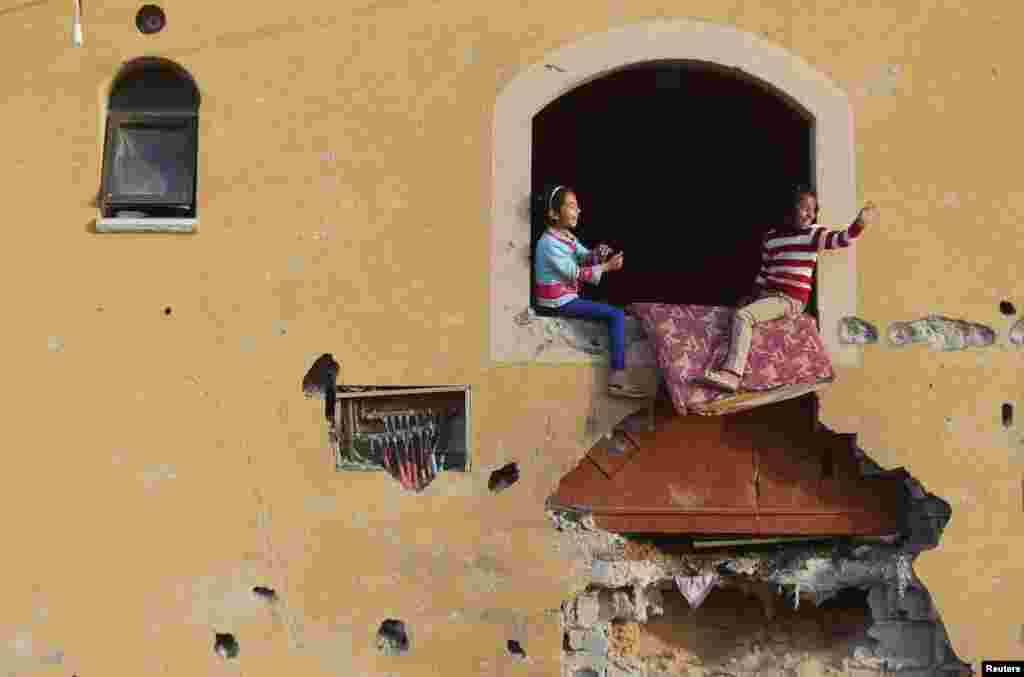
[392, 638]
[853, 330]
[225, 645]
[503, 477]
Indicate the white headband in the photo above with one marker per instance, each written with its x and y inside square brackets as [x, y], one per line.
[552, 196]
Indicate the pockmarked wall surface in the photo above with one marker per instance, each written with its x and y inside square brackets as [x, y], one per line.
[162, 459]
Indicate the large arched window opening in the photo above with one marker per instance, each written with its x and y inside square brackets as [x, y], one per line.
[150, 145]
[514, 336]
[681, 164]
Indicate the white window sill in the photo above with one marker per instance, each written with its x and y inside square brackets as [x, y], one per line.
[146, 225]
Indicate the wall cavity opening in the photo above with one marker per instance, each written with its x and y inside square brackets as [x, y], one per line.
[411, 432]
[659, 604]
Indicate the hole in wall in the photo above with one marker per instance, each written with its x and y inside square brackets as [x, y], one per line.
[1007, 414]
[680, 602]
[1006, 308]
[264, 593]
[503, 478]
[167, 310]
[515, 649]
[225, 645]
[392, 638]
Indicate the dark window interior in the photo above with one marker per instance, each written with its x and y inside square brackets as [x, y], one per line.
[151, 147]
[682, 166]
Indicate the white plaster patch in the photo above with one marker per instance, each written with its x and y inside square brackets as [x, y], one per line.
[152, 476]
[55, 344]
[21, 645]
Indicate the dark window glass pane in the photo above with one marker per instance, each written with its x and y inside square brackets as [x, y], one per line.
[153, 163]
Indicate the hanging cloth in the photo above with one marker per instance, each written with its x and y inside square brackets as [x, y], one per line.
[696, 588]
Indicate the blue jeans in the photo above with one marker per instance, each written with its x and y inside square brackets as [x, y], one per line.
[614, 317]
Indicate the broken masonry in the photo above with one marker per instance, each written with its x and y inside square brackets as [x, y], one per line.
[628, 584]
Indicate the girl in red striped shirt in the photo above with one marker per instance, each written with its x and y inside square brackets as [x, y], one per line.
[783, 286]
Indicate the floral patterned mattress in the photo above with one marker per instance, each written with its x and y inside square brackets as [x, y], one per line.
[787, 356]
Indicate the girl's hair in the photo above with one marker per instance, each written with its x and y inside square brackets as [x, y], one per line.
[552, 199]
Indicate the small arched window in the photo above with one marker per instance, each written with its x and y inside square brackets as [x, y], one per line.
[151, 144]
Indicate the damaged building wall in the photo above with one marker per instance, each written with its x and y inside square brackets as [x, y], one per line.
[162, 462]
[629, 583]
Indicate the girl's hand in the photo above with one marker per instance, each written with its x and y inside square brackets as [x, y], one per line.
[868, 215]
[614, 263]
[603, 252]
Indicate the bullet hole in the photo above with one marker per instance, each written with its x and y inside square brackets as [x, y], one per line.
[1006, 308]
[503, 477]
[392, 638]
[226, 646]
[1007, 414]
[266, 594]
[167, 310]
[930, 386]
[150, 19]
[516, 650]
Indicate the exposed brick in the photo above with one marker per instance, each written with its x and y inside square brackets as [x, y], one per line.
[587, 610]
[590, 641]
[577, 665]
[624, 670]
[616, 605]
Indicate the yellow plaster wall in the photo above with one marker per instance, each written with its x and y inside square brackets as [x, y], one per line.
[159, 466]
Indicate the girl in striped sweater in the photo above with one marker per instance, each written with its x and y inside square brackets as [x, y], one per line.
[561, 263]
[783, 286]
